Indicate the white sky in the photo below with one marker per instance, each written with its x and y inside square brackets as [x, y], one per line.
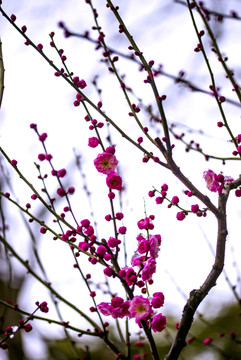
[33, 94]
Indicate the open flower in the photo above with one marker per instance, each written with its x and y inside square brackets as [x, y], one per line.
[158, 323]
[114, 181]
[105, 163]
[149, 269]
[210, 178]
[140, 307]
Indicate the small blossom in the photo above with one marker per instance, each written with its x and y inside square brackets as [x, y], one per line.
[238, 192]
[89, 231]
[44, 307]
[175, 200]
[108, 271]
[13, 17]
[105, 163]
[130, 276]
[208, 341]
[85, 223]
[61, 173]
[48, 157]
[143, 223]
[84, 246]
[149, 269]
[40, 47]
[71, 190]
[41, 157]
[61, 192]
[101, 250]
[93, 142]
[180, 216]
[108, 217]
[159, 200]
[195, 208]
[111, 195]
[158, 323]
[114, 181]
[27, 327]
[157, 300]
[14, 162]
[43, 137]
[143, 246]
[119, 216]
[110, 149]
[81, 84]
[122, 230]
[112, 242]
[43, 230]
[140, 307]
[210, 178]
[155, 242]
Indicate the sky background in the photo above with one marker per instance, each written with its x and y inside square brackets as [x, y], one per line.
[33, 94]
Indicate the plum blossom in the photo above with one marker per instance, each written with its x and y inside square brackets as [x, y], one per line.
[114, 181]
[158, 323]
[157, 300]
[140, 308]
[118, 308]
[105, 163]
[93, 142]
[215, 182]
[149, 269]
[155, 242]
[145, 224]
[210, 178]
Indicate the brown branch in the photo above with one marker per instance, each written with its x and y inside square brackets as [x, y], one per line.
[1, 74]
[196, 296]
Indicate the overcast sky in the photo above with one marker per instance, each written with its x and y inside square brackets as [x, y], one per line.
[33, 94]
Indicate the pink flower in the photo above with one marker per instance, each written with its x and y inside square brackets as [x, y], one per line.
[105, 308]
[93, 142]
[105, 163]
[101, 250]
[140, 307]
[61, 173]
[148, 270]
[14, 162]
[158, 323]
[145, 224]
[210, 178]
[114, 181]
[180, 216]
[155, 242]
[157, 300]
[110, 150]
[130, 276]
[175, 200]
[195, 208]
[143, 246]
[208, 341]
[137, 261]
[117, 309]
[81, 83]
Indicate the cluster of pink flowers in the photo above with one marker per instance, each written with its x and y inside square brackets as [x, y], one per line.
[215, 182]
[106, 163]
[138, 307]
[147, 264]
